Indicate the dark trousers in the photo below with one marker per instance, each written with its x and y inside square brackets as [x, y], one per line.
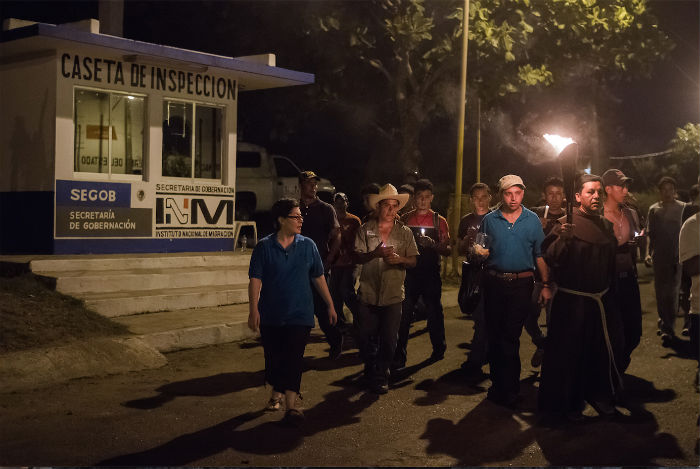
[667, 281]
[507, 305]
[630, 309]
[342, 287]
[425, 283]
[382, 323]
[333, 335]
[284, 355]
[479, 345]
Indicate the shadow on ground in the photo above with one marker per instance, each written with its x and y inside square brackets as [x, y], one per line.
[216, 385]
[339, 408]
[624, 440]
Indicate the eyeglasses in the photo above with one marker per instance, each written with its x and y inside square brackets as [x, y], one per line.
[296, 217]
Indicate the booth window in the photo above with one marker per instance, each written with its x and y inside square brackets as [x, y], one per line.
[192, 135]
[109, 132]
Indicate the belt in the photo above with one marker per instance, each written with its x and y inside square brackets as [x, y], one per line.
[509, 276]
[598, 297]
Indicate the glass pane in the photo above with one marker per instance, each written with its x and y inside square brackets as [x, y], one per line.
[285, 169]
[127, 134]
[247, 159]
[177, 139]
[91, 131]
[207, 147]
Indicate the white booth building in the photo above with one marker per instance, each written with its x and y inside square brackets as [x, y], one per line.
[112, 145]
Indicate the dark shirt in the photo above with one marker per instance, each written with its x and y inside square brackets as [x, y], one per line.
[469, 225]
[285, 297]
[433, 226]
[587, 261]
[551, 217]
[319, 220]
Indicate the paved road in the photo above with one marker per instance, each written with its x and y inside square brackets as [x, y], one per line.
[204, 408]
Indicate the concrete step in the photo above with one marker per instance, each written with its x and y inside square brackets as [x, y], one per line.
[87, 281]
[137, 261]
[122, 303]
[169, 331]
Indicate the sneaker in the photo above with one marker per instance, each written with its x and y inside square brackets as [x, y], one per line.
[336, 349]
[437, 355]
[536, 360]
[685, 332]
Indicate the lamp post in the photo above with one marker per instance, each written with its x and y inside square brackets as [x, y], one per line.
[567, 153]
[457, 206]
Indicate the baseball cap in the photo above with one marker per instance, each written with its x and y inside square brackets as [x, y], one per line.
[615, 177]
[508, 181]
[306, 175]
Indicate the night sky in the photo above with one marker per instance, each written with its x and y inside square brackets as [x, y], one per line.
[646, 112]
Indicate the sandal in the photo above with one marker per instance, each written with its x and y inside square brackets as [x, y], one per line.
[274, 404]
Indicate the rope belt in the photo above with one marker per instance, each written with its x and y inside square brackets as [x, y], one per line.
[598, 297]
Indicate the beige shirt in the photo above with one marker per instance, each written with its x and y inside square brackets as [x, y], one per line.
[381, 284]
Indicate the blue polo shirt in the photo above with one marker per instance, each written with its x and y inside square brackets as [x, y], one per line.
[514, 246]
[285, 297]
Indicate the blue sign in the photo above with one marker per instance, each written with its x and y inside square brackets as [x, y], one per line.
[93, 194]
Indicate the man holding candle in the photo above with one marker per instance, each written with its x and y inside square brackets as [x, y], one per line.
[433, 239]
[626, 227]
[515, 251]
[386, 249]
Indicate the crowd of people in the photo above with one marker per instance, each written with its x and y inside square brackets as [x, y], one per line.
[574, 259]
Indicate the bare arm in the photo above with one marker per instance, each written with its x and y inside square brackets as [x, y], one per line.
[254, 287]
[333, 248]
[322, 289]
[546, 293]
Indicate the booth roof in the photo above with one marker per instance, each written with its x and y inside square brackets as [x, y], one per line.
[251, 75]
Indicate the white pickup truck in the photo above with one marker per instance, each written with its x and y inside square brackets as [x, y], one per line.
[262, 178]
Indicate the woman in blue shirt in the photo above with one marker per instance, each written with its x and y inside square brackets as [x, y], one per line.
[281, 304]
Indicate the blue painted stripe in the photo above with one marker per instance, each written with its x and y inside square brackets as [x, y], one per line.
[93, 194]
[119, 246]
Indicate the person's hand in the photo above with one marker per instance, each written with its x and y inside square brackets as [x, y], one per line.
[426, 241]
[647, 260]
[332, 315]
[480, 252]
[254, 320]
[545, 296]
[393, 259]
[383, 251]
[567, 231]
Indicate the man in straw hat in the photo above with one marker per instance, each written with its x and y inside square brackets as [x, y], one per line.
[386, 248]
[514, 239]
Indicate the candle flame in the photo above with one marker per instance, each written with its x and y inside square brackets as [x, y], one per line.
[558, 142]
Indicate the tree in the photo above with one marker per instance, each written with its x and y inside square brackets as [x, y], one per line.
[514, 45]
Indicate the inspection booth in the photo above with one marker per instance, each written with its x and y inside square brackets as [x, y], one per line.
[111, 145]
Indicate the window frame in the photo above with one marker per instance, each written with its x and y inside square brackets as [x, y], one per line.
[193, 142]
[109, 176]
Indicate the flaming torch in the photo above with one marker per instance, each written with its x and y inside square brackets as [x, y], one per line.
[567, 152]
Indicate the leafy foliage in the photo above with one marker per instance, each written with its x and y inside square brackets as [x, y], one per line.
[513, 45]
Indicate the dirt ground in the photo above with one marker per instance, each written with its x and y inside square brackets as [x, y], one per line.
[205, 409]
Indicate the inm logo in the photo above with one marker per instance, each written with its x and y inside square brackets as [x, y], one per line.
[169, 211]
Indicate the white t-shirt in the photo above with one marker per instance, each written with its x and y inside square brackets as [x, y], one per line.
[689, 247]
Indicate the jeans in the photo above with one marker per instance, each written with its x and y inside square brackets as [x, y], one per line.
[426, 284]
[667, 281]
[342, 288]
[333, 335]
[380, 322]
[507, 304]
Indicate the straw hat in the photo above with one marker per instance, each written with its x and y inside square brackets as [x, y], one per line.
[388, 191]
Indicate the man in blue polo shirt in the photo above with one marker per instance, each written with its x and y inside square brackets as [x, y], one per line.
[515, 236]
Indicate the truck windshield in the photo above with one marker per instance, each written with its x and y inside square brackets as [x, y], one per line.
[285, 168]
[248, 159]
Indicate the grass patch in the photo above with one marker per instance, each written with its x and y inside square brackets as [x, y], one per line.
[32, 315]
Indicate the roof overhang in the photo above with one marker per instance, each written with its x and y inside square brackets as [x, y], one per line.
[40, 38]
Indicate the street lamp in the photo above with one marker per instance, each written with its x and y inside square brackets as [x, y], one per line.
[567, 153]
